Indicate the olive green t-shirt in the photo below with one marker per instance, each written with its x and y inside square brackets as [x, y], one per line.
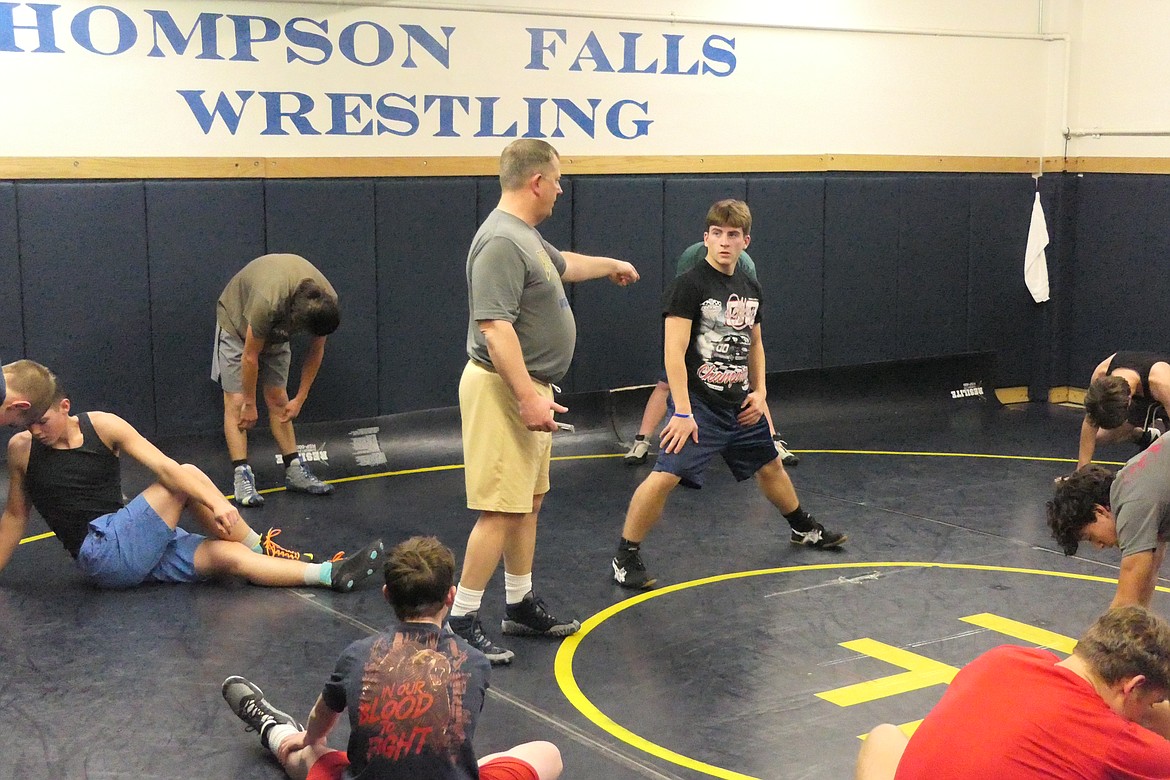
[261, 293]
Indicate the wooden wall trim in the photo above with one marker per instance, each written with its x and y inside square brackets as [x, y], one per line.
[23, 168]
[1118, 165]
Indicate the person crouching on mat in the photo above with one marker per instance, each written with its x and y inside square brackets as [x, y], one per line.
[68, 468]
[1127, 399]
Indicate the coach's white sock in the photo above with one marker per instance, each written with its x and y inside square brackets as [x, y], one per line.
[516, 587]
[466, 600]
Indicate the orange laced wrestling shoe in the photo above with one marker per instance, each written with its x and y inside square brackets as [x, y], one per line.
[274, 550]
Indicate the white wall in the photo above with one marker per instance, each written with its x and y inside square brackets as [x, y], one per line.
[1120, 77]
[992, 87]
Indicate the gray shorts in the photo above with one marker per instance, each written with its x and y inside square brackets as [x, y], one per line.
[226, 359]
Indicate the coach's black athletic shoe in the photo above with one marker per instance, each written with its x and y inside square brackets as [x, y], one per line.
[530, 617]
[248, 702]
[630, 572]
[348, 571]
[468, 627]
[818, 537]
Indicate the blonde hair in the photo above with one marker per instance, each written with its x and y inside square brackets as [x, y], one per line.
[36, 383]
[522, 158]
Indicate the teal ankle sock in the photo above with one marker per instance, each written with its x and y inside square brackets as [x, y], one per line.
[325, 573]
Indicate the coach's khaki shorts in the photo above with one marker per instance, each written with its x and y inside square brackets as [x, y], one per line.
[505, 464]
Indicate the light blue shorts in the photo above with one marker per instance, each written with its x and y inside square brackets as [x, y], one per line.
[134, 545]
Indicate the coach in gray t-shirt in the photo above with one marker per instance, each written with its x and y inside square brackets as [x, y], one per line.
[1129, 510]
[514, 275]
[520, 339]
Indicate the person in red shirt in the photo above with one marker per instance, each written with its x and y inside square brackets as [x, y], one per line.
[1017, 712]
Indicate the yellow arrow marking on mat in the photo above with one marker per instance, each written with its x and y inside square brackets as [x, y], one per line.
[922, 672]
[1022, 631]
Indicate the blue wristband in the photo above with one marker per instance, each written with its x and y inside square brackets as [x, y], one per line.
[684, 416]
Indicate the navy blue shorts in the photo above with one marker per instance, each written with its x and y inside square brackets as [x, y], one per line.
[134, 545]
[746, 450]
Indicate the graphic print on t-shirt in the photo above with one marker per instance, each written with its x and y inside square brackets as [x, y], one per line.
[723, 340]
[412, 701]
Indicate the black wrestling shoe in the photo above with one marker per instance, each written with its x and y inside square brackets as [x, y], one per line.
[349, 570]
[818, 537]
[248, 702]
[630, 572]
[468, 627]
[530, 617]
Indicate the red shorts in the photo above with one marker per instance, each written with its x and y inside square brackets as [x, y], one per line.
[507, 768]
[331, 766]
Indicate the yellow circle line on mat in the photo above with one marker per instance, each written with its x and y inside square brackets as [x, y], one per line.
[454, 466]
[568, 648]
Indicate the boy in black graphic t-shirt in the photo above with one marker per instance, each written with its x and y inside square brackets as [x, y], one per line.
[714, 357]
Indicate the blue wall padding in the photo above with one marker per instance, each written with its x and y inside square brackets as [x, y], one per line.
[11, 322]
[200, 233]
[331, 223]
[787, 246]
[1121, 270]
[86, 299]
[424, 227]
[118, 281]
[1060, 196]
[619, 329]
[684, 212]
[862, 228]
[1003, 317]
[556, 229]
[933, 255]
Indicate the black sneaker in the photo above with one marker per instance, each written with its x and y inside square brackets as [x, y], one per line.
[786, 457]
[468, 627]
[630, 572]
[531, 617]
[248, 702]
[1147, 437]
[818, 537]
[349, 570]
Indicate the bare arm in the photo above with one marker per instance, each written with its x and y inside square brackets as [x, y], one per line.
[321, 722]
[756, 402]
[1088, 440]
[1139, 574]
[503, 345]
[582, 268]
[678, 430]
[1159, 389]
[309, 371]
[249, 375]
[1088, 443]
[122, 437]
[15, 517]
